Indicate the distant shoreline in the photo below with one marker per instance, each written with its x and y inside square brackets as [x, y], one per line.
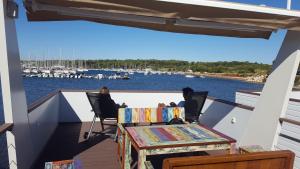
[258, 79]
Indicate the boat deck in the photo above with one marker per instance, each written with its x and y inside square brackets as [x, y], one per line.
[100, 151]
[67, 142]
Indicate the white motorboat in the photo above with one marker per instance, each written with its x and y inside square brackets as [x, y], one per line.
[189, 76]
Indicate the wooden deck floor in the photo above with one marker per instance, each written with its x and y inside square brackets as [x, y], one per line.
[100, 152]
[68, 143]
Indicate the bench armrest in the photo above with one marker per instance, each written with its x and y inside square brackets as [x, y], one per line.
[148, 165]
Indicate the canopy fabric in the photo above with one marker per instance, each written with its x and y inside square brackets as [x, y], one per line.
[182, 16]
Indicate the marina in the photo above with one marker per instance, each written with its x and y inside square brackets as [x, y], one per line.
[59, 71]
[37, 88]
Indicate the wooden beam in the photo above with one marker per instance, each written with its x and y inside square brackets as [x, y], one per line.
[289, 121]
[6, 127]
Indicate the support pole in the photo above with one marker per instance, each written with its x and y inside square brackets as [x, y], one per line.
[263, 125]
[289, 4]
[14, 100]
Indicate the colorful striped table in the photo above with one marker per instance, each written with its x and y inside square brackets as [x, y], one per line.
[165, 139]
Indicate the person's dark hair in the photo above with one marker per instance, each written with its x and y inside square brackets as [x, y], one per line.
[104, 90]
[187, 90]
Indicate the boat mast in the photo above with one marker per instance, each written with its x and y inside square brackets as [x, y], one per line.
[60, 56]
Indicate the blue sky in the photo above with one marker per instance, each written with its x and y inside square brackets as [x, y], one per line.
[99, 41]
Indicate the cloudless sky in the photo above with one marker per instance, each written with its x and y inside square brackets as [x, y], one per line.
[99, 41]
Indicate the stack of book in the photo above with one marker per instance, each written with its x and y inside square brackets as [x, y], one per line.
[64, 164]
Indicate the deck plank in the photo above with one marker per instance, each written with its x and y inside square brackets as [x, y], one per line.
[67, 142]
[100, 151]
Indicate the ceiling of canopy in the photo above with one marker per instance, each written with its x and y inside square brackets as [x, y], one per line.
[182, 16]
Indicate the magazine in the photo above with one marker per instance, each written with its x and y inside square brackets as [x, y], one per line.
[64, 164]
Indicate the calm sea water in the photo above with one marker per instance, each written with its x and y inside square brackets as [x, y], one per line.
[36, 88]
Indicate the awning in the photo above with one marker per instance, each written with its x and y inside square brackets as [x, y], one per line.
[182, 16]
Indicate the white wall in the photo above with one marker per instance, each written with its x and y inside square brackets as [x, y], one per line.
[225, 118]
[137, 100]
[246, 99]
[75, 107]
[43, 121]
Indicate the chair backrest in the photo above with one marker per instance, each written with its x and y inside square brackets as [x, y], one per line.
[194, 106]
[102, 105]
[267, 160]
[94, 99]
[151, 115]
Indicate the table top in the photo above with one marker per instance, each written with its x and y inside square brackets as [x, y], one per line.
[163, 136]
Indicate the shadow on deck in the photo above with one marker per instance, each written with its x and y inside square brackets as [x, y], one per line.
[100, 151]
[67, 142]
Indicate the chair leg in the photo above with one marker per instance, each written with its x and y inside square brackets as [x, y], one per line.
[102, 126]
[91, 128]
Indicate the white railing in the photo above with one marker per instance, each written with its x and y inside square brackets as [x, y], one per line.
[289, 133]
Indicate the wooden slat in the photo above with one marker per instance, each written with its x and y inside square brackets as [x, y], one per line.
[5, 127]
[67, 142]
[100, 151]
[251, 92]
[293, 111]
[289, 121]
[258, 94]
[290, 130]
[286, 143]
[231, 103]
[246, 99]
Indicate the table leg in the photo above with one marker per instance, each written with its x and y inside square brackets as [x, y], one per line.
[232, 148]
[141, 159]
[127, 152]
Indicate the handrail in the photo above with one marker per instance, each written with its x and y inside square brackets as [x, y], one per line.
[252, 92]
[289, 121]
[123, 91]
[155, 91]
[231, 103]
[5, 127]
[258, 94]
[42, 100]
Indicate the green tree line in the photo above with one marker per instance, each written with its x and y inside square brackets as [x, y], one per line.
[234, 67]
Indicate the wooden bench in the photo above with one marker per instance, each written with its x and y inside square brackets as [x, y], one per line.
[143, 116]
[262, 160]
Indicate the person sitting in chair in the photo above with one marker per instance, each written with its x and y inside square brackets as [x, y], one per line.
[190, 105]
[108, 106]
[187, 95]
